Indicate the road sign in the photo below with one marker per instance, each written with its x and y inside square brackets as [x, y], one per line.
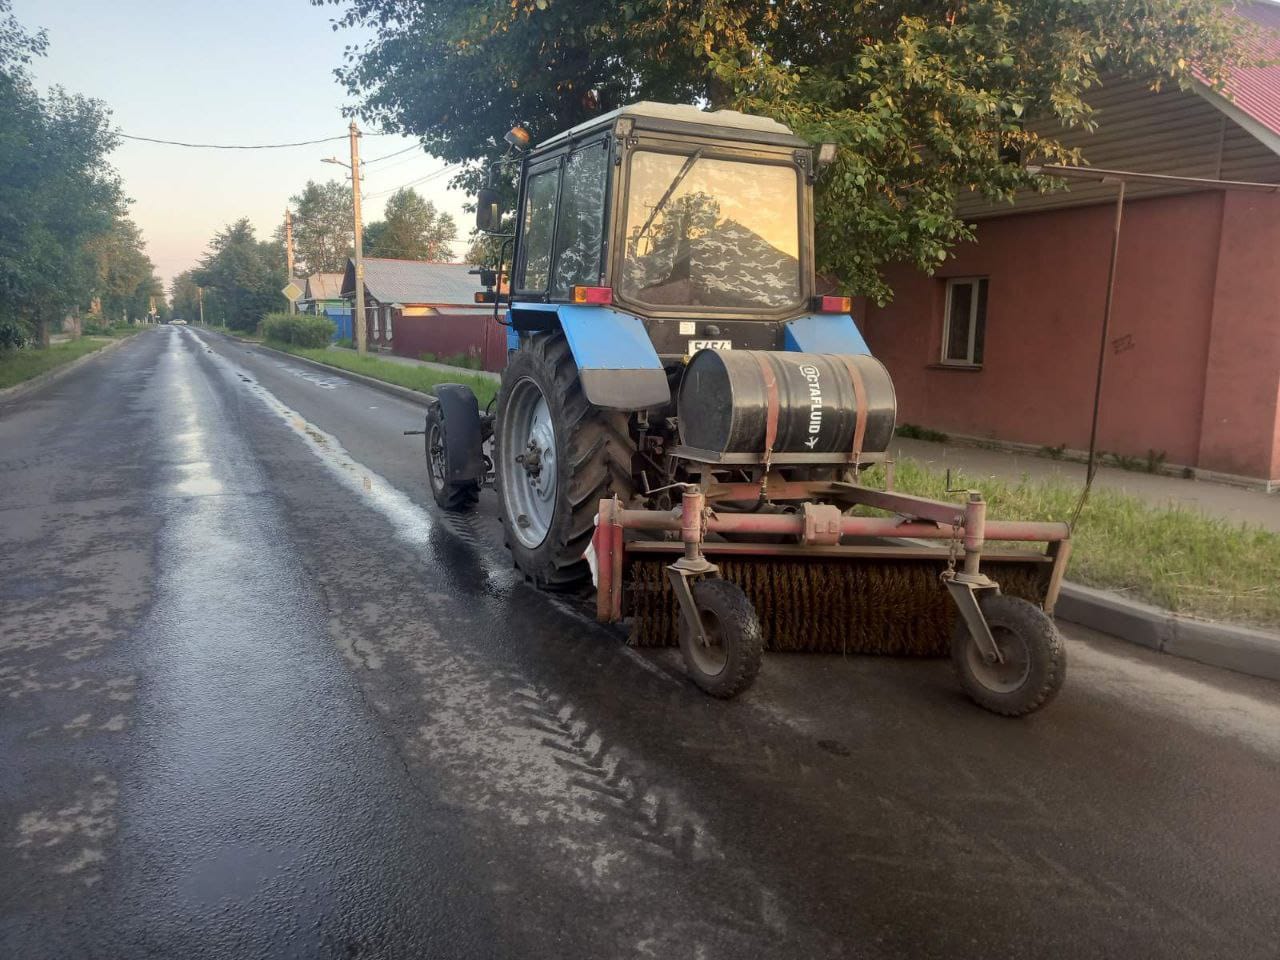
[291, 291]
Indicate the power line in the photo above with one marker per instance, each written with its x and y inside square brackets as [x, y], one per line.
[413, 183]
[239, 146]
[412, 146]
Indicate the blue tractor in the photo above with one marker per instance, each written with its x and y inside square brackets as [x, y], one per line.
[686, 424]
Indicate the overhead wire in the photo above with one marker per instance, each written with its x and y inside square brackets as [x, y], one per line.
[238, 146]
[388, 156]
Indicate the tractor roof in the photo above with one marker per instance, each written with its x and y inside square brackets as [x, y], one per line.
[680, 117]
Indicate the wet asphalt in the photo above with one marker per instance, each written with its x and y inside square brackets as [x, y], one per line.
[259, 699]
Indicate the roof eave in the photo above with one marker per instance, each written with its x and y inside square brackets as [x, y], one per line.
[1259, 131]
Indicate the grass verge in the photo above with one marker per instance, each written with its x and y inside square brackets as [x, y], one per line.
[1172, 557]
[17, 366]
[421, 379]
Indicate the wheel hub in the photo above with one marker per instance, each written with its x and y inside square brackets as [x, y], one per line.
[1006, 676]
[529, 474]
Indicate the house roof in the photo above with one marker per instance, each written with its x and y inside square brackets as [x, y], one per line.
[323, 286]
[1250, 97]
[1256, 90]
[413, 281]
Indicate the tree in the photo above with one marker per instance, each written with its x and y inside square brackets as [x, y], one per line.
[241, 276]
[925, 101]
[184, 294]
[412, 230]
[125, 279]
[323, 231]
[56, 190]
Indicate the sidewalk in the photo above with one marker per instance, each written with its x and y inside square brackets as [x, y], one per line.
[1236, 504]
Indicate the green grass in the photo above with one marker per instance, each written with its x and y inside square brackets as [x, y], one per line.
[421, 379]
[19, 365]
[1172, 557]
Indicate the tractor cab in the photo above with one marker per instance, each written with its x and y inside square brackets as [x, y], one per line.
[698, 224]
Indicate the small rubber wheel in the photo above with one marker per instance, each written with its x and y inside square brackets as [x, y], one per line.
[452, 497]
[728, 662]
[1035, 659]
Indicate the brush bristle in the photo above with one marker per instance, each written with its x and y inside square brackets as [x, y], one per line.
[892, 607]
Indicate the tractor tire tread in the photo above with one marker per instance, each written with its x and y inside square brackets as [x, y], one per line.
[1044, 644]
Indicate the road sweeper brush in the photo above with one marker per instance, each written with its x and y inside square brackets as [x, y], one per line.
[686, 427]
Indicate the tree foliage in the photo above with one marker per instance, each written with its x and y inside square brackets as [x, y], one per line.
[125, 281]
[57, 191]
[323, 231]
[412, 229]
[926, 101]
[184, 296]
[242, 277]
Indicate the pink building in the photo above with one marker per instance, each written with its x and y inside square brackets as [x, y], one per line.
[1002, 342]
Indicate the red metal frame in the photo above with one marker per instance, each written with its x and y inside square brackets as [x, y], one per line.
[818, 528]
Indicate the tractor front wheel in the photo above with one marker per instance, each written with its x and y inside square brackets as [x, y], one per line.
[1034, 660]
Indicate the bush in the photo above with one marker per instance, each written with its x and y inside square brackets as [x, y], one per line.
[298, 329]
[93, 329]
[12, 336]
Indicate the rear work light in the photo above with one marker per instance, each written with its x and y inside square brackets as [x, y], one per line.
[833, 304]
[600, 296]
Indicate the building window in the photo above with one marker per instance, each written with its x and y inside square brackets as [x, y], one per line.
[373, 316]
[387, 321]
[964, 327]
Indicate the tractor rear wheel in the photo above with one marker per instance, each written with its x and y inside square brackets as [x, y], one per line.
[557, 457]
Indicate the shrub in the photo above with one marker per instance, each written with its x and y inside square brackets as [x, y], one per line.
[12, 336]
[298, 329]
[91, 328]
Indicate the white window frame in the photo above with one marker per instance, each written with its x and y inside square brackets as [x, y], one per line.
[387, 320]
[952, 283]
[376, 313]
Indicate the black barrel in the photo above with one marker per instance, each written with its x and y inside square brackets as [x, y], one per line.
[723, 402]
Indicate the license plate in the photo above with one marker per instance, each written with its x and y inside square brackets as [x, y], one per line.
[696, 345]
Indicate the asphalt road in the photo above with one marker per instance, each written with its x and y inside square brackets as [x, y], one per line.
[259, 699]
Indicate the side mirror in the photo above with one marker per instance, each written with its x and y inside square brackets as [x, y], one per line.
[488, 210]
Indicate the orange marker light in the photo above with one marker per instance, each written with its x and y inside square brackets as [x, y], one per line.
[599, 296]
[835, 304]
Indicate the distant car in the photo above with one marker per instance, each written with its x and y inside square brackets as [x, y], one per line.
[181, 323]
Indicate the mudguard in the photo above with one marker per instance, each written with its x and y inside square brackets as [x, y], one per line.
[616, 361]
[824, 333]
[464, 450]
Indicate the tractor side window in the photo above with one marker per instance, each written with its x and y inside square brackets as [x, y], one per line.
[581, 233]
[539, 218]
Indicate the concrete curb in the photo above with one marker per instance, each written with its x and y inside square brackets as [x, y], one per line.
[57, 373]
[1242, 649]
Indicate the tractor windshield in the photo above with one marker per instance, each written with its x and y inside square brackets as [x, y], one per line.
[710, 232]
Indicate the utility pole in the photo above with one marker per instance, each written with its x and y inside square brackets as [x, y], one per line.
[357, 313]
[357, 318]
[288, 253]
[200, 300]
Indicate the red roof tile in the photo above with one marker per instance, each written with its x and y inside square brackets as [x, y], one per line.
[1256, 90]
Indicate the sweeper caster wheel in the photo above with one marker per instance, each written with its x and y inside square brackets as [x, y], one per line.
[727, 663]
[456, 497]
[1035, 661]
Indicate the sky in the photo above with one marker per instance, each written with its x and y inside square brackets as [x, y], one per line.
[220, 71]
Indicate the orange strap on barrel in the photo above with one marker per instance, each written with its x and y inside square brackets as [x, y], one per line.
[771, 409]
[859, 398]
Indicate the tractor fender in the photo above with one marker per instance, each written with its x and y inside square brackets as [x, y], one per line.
[464, 446]
[617, 364]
